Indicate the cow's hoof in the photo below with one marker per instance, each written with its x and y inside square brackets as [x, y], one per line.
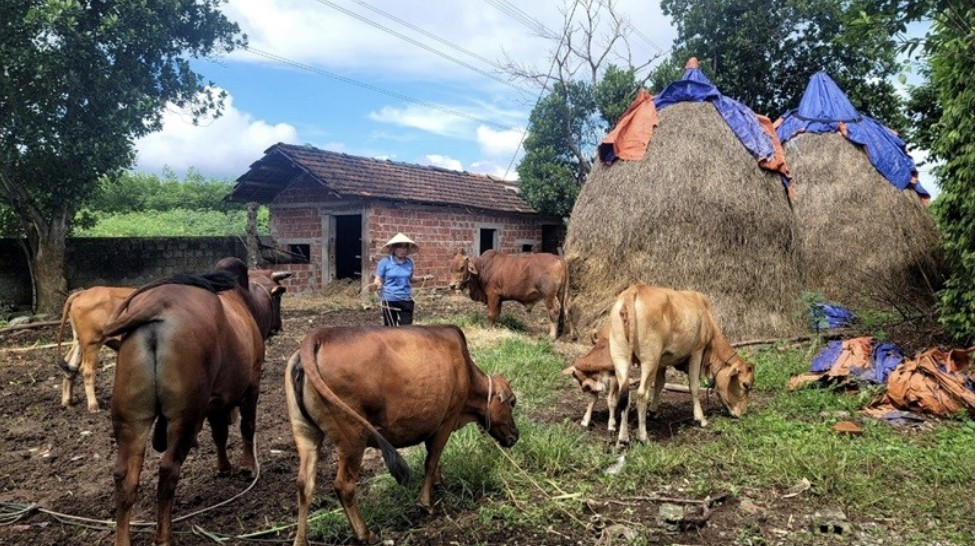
[703, 423]
[94, 409]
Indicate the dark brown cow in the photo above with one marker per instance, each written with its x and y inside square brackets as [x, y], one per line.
[192, 349]
[386, 388]
[86, 311]
[494, 277]
[661, 327]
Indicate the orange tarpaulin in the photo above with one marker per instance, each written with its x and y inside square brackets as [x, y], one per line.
[920, 385]
[632, 133]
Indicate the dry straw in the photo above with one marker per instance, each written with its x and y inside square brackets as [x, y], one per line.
[696, 213]
[863, 242]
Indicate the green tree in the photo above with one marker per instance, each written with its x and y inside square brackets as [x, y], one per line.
[950, 47]
[763, 52]
[81, 81]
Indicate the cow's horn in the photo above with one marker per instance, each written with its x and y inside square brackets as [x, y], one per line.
[280, 275]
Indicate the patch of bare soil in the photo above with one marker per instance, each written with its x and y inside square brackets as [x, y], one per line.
[59, 460]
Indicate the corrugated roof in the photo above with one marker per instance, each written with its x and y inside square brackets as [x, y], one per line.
[353, 177]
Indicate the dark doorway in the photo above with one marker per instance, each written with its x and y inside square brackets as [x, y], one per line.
[486, 239]
[349, 230]
[553, 235]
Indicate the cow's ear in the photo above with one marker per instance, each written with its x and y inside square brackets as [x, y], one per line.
[277, 290]
[472, 268]
[594, 337]
[461, 252]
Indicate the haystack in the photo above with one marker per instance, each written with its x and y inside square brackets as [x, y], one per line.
[866, 236]
[862, 240]
[696, 213]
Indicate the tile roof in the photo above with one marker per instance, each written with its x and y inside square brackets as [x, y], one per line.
[364, 178]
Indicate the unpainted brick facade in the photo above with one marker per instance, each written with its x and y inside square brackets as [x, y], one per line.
[305, 214]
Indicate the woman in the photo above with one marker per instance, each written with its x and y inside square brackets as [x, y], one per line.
[393, 280]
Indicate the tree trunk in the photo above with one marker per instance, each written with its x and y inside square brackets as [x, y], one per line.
[48, 244]
[254, 256]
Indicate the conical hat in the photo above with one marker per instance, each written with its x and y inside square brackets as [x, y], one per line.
[399, 239]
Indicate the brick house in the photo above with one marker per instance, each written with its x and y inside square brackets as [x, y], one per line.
[335, 211]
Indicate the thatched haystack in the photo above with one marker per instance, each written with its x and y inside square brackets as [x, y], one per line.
[696, 213]
[862, 241]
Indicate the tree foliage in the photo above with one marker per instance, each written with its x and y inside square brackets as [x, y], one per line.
[951, 52]
[81, 81]
[763, 52]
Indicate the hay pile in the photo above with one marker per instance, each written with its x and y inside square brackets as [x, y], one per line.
[696, 213]
[862, 240]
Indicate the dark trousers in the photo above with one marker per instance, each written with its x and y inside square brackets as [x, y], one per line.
[397, 313]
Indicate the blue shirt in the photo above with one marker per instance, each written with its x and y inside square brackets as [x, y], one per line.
[395, 278]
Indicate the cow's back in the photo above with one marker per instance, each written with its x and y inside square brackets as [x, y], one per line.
[409, 381]
[674, 322]
[522, 278]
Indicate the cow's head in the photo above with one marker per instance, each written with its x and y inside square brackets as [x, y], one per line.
[498, 415]
[461, 268]
[266, 292]
[734, 381]
[589, 369]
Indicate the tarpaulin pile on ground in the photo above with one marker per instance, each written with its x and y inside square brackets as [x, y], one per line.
[934, 382]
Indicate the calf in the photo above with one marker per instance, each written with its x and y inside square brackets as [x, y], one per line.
[594, 373]
[86, 311]
[192, 349]
[386, 388]
[661, 327]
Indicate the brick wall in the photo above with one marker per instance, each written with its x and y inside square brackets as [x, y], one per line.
[122, 261]
[442, 232]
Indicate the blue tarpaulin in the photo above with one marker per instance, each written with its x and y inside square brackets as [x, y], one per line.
[843, 359]
[824, 107]
[824, 316]
[696, 87]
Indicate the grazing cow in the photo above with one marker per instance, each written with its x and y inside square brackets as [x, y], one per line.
[661, 327]
[494, 277]
[86, 311]
[192, 349]
[386, 388]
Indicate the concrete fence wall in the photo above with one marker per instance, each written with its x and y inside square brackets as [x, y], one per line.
[123, 261]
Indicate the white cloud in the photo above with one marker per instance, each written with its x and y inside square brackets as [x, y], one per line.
[498, 143]
[425, 119]
[443, 162]
[223, 147]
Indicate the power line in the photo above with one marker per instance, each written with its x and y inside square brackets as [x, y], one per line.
[399, 96]
[421, 45]
[521, 16]
[430, 35]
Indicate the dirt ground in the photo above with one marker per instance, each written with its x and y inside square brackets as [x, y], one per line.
[61, 459]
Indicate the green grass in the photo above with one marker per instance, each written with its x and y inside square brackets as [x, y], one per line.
[920, 484]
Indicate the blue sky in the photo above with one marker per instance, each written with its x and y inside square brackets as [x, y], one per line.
[339, 83]
[399, 101]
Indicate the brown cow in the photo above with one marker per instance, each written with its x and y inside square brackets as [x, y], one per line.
[494, 277]
[192, 349]
[662, 327]
[386, 388]
[86, 311]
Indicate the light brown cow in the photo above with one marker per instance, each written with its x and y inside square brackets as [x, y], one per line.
[386, 388]
[494, 277]
[192, 349]
[662, 327]
[86, 311]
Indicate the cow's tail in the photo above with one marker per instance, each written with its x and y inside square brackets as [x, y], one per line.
[563, 324]
[629, 323]
[59, 358]
[307, 360]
